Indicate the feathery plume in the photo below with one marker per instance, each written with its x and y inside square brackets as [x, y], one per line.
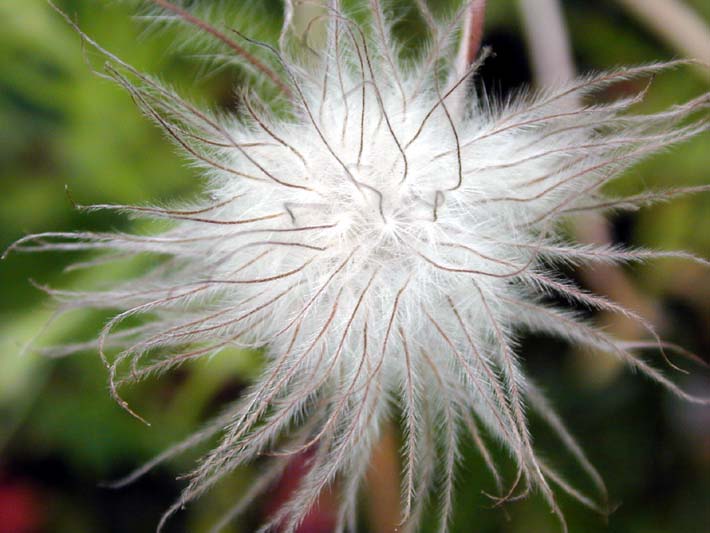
[385, 241]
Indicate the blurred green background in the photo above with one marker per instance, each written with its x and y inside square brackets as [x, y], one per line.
[60, 434]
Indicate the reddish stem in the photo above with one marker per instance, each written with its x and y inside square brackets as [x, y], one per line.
[473, 33]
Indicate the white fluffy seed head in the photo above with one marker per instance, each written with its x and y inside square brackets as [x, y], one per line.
[387, 240]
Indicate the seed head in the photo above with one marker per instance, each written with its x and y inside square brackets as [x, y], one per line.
[385, 242]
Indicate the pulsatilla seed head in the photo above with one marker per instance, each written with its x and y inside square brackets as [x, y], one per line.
[387, 239]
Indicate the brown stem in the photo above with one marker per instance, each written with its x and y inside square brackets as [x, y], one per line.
[472, 34]
[383, 484]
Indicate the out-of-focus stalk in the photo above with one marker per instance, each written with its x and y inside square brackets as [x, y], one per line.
[678, 25]
[548, 42]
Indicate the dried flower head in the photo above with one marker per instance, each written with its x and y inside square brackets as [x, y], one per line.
[385, 240]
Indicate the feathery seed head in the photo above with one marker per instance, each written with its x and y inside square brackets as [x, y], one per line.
[386, 240]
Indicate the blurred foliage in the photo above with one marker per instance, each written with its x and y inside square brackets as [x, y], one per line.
[61, 434]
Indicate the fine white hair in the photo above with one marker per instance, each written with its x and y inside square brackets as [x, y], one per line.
[385, 246]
